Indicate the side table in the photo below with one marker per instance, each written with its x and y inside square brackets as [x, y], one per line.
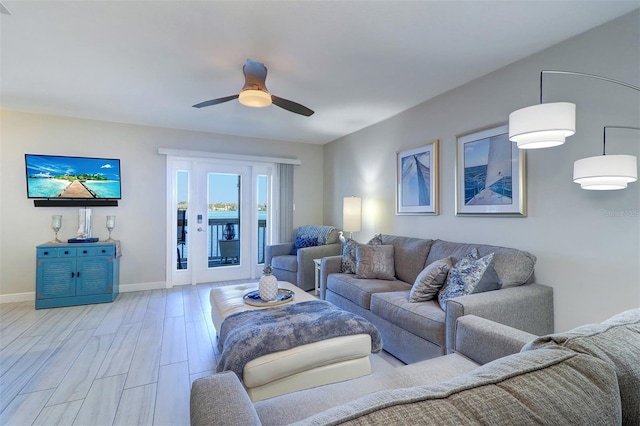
[317, 263]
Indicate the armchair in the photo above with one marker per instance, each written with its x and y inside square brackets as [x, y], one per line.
[299, 269]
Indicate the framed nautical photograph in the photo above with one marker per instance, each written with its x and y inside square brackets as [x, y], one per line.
[490, 174]
[417, 180]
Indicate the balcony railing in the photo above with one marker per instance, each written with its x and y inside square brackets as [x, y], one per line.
[215, 233]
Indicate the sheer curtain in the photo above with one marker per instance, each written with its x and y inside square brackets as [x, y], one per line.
[285, 205]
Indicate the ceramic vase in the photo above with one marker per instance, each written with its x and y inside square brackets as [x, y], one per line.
[268, 285]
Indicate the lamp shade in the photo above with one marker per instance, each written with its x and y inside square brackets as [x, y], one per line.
[605, 172]
[254, 98]
[542, 126]
[351, 214]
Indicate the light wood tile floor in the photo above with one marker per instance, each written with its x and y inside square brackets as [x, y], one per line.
[130, 362]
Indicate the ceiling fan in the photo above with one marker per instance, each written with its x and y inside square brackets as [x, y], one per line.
[255, 93]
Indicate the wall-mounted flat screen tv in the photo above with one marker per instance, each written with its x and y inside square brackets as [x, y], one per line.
[58, 177]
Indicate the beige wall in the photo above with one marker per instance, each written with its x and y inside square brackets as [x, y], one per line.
[141, 220]
[587, 242]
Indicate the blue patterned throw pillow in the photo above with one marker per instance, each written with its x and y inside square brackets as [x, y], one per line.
[302, 242]
[470, 275]
[348, 255]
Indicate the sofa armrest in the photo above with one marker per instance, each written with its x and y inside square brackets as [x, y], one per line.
[484, 341]
[274, 250]
[329, 265]
[528, 307]
[306, 268]
[222, 400]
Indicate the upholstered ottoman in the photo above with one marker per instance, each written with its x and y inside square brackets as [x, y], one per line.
[328, 361]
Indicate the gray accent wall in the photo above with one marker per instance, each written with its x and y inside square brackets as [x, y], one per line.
[587, 242]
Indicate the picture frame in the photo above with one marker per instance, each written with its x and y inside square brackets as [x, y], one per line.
[490, 174]
[417, 180]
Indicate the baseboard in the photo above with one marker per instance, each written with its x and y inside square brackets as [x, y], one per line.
[124, 288]
[18, 297]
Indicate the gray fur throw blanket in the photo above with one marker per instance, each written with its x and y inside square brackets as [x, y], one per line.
[247, 335]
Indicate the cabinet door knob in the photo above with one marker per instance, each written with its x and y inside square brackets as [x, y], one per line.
[73, 275]
[84, 251]
[46, 253]
[66, 252]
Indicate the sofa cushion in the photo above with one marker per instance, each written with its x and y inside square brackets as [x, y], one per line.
[425, 319]
[302, 242]
[429, 282]
[410, 255]
[287, 262]
[615, 341]
[375, 262]
[514, 267]
[359, 291]
[552, 387]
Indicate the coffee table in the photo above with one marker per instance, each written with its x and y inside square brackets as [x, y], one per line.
[306, 366]
[227, 300]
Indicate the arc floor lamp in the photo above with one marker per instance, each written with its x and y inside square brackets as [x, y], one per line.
[549, 124]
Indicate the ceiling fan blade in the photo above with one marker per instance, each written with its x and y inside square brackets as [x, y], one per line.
[291, 106]
[215, 101]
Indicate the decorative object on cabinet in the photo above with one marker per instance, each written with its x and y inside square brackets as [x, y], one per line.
[77, 274]
[111, 224]
[84, 223]
[56, 224]
[417, 180]
[490, 174]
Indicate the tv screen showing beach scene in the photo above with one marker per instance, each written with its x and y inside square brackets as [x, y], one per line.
[52, 176]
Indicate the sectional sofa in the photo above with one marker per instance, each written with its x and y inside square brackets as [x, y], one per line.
[417, 331]
[587, 376]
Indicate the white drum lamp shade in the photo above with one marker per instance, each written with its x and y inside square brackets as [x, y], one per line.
[605, 172]
[542, 126]
[351, 214]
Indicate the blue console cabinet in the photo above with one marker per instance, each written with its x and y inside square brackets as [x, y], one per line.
[77, 274]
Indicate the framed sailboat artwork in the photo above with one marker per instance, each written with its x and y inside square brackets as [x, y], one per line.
[417, 180]
[490, 174]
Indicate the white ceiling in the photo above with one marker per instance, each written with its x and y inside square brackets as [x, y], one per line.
[354, 63]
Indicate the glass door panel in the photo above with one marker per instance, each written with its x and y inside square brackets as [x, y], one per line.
[262, 185]
[224, 219]
[182, 183]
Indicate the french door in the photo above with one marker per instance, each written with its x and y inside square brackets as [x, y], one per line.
[219, 212]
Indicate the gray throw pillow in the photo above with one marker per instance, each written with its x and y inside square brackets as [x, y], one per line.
[376, 240]
[429, 282]
[470, 275]
[375, 262]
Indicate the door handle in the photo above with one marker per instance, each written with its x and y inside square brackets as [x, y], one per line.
[200, 229]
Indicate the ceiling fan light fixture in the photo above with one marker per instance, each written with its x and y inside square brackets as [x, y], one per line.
[255, 98]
